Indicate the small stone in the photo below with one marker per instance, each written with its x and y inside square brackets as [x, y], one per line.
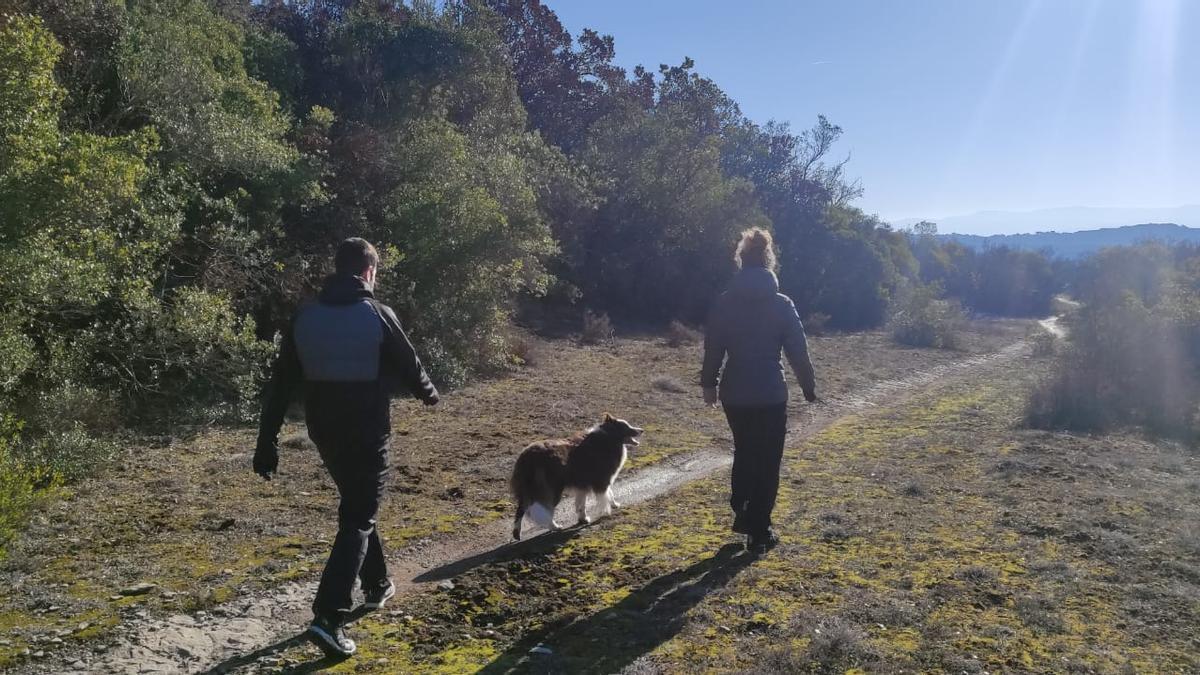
[541, 650]
[79, 665]
[226, 524]
[446, 585]
[115, 597]
[39, 654]
[56, 641]
[83, 626]
[227, 571]
[138, 589]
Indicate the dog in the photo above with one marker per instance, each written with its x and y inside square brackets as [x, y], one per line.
[585, 463]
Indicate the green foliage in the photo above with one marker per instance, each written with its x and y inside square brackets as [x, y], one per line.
[1134, 357]
[1000, 281]
[466, 237]
[181, 65]
[661, 243]
[94, 332]
[921, 318]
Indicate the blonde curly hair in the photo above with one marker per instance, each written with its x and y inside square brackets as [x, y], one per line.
[756, 249]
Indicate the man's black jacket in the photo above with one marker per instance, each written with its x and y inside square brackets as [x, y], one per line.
[350, 353]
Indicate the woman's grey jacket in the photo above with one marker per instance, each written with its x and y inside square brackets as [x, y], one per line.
[748, 327]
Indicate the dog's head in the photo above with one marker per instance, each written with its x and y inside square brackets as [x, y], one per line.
[621, 429]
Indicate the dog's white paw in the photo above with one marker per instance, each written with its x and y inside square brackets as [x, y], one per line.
[616, 505]
[554, 526]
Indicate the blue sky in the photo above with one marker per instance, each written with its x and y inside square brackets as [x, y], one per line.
[953, 106]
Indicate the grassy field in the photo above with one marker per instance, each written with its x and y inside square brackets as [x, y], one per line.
[927, 537]
[932, 535]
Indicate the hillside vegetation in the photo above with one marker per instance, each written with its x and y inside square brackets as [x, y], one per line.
[174, 175]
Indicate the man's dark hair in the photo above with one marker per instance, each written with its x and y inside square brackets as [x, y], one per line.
[354, 256]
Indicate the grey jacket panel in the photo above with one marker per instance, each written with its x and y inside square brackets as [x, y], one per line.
[339, 343]
[750, 325]
[350, 353]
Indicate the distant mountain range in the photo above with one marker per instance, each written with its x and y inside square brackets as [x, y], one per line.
[1069, 219]
[1083, 243]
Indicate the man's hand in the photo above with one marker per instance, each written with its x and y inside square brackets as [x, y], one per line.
[432, 399]
[710, 397]
[810, 395]
[266, 459]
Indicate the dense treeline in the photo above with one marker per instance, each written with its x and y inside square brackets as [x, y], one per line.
[1000, 281]
[175, 173]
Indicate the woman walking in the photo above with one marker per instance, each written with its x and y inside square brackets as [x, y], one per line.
[750, 324]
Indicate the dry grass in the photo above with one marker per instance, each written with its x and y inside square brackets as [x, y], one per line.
[1026, 552]
[679, 334]
[597, 329]
[161, 514]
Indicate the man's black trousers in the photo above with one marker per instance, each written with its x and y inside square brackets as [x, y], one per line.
[351, 431]
[758, 436]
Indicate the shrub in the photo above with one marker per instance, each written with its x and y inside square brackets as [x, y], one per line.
[921, 319]
[1129, 364]
[522, 349]
[816, 323]
[19, 483]
[1044, 342]
[679, 334]
[597, 328]
[669, 384]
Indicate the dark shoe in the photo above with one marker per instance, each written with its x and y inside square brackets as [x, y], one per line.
[761, 543]
[378, 596]
[331, 638]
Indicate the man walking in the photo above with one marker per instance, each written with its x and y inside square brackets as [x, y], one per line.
[350, 353]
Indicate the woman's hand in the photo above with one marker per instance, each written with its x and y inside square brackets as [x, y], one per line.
[710, 397]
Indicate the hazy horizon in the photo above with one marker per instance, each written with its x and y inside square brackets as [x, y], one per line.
[1059, 219]
[951, 108]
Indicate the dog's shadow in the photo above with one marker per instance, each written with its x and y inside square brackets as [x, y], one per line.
[633, 627]
[513, 549]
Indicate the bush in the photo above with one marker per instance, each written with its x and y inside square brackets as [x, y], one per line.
[1043, 341]
[597, 328]
[678, 334]
[19, 484]
[816, 323]
[1127, 365]
[668, 384]
[522, 349]
[921, 319]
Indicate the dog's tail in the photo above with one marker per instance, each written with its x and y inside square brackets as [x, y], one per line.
[530, 487]
[522, 493]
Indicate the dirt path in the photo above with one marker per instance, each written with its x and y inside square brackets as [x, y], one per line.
[1054, 326]
[231, 633]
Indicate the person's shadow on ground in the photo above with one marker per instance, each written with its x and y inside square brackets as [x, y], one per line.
[646, 618]
[611, 639]
[531, 546]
